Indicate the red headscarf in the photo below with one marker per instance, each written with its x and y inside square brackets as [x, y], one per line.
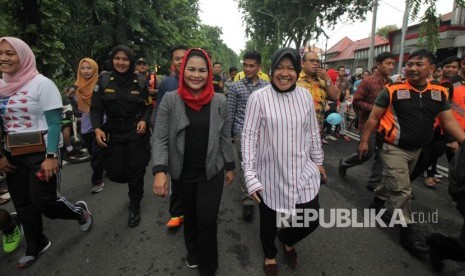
[332, 74]
[184, 91]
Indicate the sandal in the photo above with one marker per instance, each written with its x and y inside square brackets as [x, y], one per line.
[430, 183]
[4, 199]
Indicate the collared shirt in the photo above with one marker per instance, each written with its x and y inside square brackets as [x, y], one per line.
[367, 91]
[167, 85]
[316, 88]
[237, 101]
[281, 148]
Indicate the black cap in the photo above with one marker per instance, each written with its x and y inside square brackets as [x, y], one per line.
[141, 60]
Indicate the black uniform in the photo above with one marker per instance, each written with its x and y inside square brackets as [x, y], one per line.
[127, 153]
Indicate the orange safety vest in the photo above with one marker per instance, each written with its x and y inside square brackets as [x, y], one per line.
[410, 116]
[458, 103]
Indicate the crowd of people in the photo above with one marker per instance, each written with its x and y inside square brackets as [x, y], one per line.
[191, 123]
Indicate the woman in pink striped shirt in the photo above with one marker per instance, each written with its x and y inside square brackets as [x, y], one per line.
[282, 156]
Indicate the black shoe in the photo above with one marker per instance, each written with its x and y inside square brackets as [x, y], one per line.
[435, 259]
[378, 204]
[374, 180]
[341, 170]
[191, 261]
[134, 217]
[247, 212]
[372, 186]
[411, 240]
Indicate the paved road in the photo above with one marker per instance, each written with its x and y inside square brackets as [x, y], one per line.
[111, 248]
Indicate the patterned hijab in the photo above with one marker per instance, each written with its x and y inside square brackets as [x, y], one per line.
[10, 84]
[86, 86]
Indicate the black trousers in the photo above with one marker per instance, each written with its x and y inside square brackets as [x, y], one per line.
[96, 162]
[201, 204]
[373, 149]
[175, 201]
[33, 197]
[450, 247]
[290, 235]
[125, 162]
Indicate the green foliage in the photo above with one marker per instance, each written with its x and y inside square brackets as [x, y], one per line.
[429, 29]
[299, 20]
[61, 33]
[429, 26]
[384, 31]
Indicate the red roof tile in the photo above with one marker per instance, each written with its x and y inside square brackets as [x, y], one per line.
[340, 46]
[365, 43]
[346, 50]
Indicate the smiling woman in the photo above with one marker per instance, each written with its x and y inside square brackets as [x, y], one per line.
[123, 137]
[192, 131]
[281, 130]
[31, 107]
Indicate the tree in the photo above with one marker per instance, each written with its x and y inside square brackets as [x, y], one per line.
[384, 31]
[63, 32]
[296, 21]
[429, 28]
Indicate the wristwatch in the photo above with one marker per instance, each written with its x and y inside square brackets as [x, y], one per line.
[51, 155]
[328, 82]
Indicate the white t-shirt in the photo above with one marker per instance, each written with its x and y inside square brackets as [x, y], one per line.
[24, 111]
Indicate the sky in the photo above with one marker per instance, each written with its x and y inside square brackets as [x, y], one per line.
[226, 14]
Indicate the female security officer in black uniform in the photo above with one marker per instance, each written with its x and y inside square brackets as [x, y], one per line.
[124, 98]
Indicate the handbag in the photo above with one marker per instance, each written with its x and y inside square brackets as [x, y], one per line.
[24, 143]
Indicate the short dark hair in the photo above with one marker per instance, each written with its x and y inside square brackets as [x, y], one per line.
[449, 60]
[374, 68]
[252, 54]
[217, 62]
[304, 56]
[232, 69]
[341, 66]
[178, 47]
[423, 53]
[366, 71]
[385, 55]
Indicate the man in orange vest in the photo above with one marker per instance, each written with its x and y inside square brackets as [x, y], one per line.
[457, 98]
[405, 113]
[142, 67]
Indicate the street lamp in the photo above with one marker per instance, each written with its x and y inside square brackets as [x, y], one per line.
[277, 21]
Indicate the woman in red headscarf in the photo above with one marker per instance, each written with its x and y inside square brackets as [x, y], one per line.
[192, 143]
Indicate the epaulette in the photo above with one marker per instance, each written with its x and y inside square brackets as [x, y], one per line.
[434, 81]
[395, 83]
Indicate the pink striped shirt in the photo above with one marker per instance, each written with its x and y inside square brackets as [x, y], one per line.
[281, 148]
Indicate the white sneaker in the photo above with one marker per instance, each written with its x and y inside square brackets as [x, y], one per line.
[331, 137]
[86, 220]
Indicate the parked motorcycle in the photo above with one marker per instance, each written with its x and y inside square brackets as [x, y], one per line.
[70, 120]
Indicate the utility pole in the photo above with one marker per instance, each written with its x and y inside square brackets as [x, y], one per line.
[277, 23]
[402, 39]
[371, 52]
